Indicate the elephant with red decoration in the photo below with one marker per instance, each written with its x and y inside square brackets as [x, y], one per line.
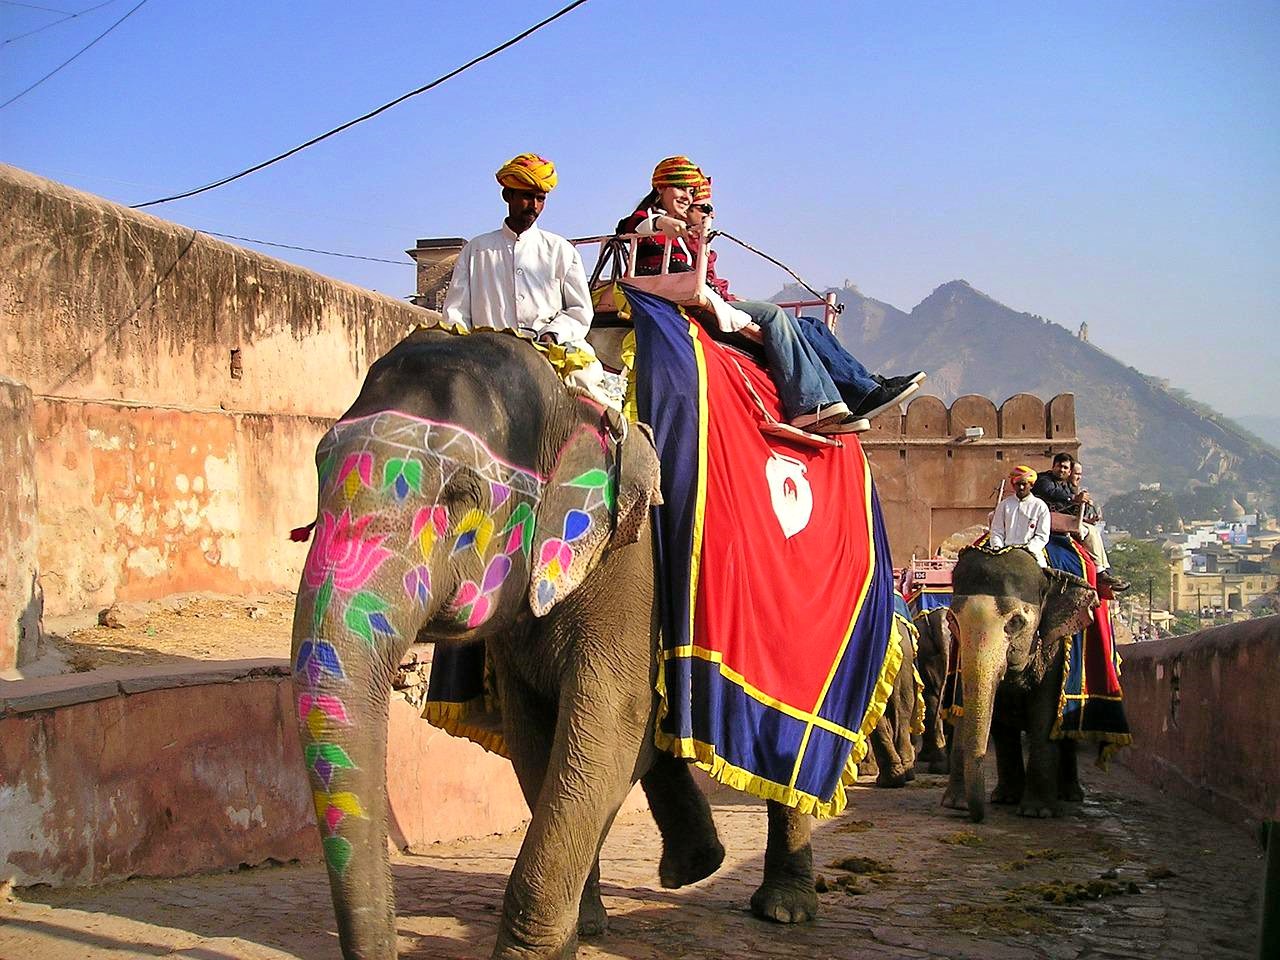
[467, 496]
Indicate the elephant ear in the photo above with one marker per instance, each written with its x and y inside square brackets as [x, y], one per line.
[1067, 607]
[597, 497]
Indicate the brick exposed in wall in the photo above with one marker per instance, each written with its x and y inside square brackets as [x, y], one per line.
[21, 599]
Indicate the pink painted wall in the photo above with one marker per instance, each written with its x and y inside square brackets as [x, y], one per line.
[141, 772]
[1201, 711]
[180, 384]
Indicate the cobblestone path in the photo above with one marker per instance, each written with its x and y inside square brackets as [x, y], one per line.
[1127, 874]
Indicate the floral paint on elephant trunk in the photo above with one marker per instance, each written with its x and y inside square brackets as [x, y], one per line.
[368, 586]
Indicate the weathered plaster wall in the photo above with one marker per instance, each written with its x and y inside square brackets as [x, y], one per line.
[1198, 707]
[932, 482]
[21, 601]
[180, 384]
[144, 772]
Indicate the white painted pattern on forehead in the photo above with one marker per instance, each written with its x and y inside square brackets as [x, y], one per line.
[390, 430]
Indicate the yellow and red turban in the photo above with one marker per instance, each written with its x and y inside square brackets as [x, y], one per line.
[702, 192]
[677, 172]
[1022, 472]
[528, 172]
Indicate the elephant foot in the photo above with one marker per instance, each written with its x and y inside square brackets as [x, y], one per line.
[793, 900]
[1071, 792]
[1042, 809]
[683, 866]
[593, 921]
[1005, 795]
[938, 766]
[953, 797]
[894, 778]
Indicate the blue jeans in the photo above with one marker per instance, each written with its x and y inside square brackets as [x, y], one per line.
[794, 366]
[851, 378]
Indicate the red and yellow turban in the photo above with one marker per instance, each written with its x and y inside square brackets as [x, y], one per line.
[1022, 472]
[528, 172]
[702, 192]
[676, 172]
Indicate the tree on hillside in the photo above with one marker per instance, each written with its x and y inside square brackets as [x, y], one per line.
[1144, 513]
[1143, 564]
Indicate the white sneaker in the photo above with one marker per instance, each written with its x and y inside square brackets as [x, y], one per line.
[820, 417]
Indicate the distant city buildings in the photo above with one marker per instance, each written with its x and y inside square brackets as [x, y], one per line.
[1223, 567]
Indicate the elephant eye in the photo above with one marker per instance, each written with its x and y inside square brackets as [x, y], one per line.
[1015, 624]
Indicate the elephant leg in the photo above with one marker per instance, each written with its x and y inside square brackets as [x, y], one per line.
[691, 849]
[787, 894]
[1069, 786]
[528, 726]
[1010, 775]
[587, 778]
[1040, 797]
[890, 769]
[953, 796]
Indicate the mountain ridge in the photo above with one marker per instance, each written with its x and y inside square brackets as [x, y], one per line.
[1133, 427]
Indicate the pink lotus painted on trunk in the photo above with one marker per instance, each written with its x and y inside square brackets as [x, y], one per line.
[341, 550]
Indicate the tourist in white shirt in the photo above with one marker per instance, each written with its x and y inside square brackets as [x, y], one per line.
[1022, 519]
[528, 280]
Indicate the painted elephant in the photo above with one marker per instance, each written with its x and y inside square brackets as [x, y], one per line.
[465, 495]
[890, 741]
[1010, 617]
[932, 649]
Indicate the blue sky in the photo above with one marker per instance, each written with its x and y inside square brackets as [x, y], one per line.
[1115, 163]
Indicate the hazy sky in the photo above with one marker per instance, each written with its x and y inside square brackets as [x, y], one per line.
[1111, 162]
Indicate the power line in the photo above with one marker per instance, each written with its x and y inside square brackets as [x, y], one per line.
[31, 6]
[289, 246]
[372, 113]
[78, 52]
[54, 23]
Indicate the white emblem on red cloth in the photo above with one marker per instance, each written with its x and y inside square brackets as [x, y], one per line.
[789, 492]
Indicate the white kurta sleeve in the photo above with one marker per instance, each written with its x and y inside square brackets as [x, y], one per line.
[996, 537]
[574, 320]
[457, 300]
[1039, 538]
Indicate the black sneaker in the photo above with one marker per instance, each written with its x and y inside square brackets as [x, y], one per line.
[917, 378]
[885, 396]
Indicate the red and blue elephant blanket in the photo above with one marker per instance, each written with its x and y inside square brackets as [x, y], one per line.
[774, 574]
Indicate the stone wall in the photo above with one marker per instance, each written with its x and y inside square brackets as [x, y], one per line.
[934, 481]
[1198, 707]
[180, 385]
[21, 601]
[167, 771]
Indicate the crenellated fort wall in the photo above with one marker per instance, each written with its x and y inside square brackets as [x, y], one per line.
[933, 480]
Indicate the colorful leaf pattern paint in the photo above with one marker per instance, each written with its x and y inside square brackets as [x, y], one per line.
[367, 578]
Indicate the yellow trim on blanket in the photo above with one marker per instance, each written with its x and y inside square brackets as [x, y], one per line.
[705, 757]
[700, 505]
[716, 657]
[627, 354]
[451, 718]
[853, 621]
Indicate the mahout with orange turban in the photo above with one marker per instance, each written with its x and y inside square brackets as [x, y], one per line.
[677, 171]
[1022, 472]
[528, 171]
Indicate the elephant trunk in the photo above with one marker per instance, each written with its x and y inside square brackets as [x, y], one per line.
[349, 633]
[983, 649]
[342, 695]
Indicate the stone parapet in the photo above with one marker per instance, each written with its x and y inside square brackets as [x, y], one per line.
[1200, 710]
[172, 770]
